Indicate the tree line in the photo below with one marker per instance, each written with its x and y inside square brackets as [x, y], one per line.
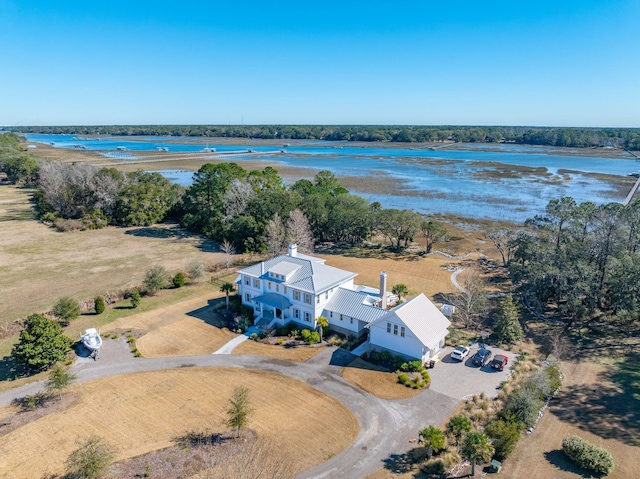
[577, 261]
[627, 138]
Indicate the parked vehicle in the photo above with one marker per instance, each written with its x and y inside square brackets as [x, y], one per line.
[499, 362]
[460, 353]
[482, 357]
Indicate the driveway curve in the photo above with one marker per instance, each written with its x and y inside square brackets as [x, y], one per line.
[385, 426]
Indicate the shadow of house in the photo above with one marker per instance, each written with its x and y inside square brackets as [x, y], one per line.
[208, 313]
[342, 357]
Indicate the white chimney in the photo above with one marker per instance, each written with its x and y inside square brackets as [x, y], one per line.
[383, 289]
[293, 250]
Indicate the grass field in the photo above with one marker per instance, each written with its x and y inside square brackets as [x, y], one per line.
[143, 412]
[39, 265]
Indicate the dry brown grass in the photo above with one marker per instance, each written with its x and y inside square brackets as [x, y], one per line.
[421, 274]
[180, 329]
[587, 406]
[296, 354]
[377, 380]
[146, 411]
[40, 265]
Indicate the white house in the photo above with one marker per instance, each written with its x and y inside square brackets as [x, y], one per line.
[299, 288]
[415, 329]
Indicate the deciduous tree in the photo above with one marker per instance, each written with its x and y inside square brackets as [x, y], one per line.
[239, 409]
[59, 378]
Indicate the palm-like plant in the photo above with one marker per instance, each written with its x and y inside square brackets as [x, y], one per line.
[227, 288]
[400, 290]
[322, 323]
[476, 448]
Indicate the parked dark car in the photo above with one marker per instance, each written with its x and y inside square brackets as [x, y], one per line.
[482, 357]
[499, 362]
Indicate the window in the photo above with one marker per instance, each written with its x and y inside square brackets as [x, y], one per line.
[326, 295]
[247, 280]
[395, 329]
[318, 299]
[402, 331]
[307, 298]
[388, 327]
[296, 313]
[269, 284]
[256, 283]
[278, 288]
[247, 297]
[285, 289]
[331, 314]
[351, 320]
[296, 295]
[340, 317]
[307, 317]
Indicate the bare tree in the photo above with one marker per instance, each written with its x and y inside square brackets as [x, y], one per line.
[195, 270]
[505, 241]
[299, 231]
[471, 301]
[236, 198]
[275, 235]
[229, 250]
[261, 459]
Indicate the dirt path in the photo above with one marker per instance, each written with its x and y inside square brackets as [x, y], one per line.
[395, 421]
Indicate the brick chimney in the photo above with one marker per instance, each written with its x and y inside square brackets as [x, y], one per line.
[293, 250]
[383, 289]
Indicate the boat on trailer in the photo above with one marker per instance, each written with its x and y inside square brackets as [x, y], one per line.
[92, 341]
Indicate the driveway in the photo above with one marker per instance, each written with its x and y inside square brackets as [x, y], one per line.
[460, 380]
[386, 427]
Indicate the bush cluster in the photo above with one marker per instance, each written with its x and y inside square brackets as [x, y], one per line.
[587, 455]
[310, 337]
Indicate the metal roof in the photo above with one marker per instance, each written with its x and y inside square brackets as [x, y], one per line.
[354, 304]
[311, 275]
[422, 318]
[274, 300]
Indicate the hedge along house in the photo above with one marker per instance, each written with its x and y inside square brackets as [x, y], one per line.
[299, 288]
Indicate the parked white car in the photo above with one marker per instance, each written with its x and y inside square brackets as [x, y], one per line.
[460, 353]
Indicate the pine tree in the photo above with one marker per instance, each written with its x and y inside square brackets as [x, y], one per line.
[507, 326]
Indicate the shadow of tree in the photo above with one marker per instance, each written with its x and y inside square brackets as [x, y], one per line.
[560, 460]
[399, 463]
[609, 411]
[10, 370]
[177, 233]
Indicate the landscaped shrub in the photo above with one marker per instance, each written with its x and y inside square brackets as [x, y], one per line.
[178, 280]
[99, 305]
[310, 337]
[135, 298]
[403, 378]
[412, 366]
[505, 437]
[588, 455]
[66, 309]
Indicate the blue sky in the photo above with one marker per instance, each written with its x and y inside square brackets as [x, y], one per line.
[553, 63]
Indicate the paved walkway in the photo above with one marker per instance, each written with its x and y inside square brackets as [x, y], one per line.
[385, 426]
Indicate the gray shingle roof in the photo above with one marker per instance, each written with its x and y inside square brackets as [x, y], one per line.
[354, 304]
